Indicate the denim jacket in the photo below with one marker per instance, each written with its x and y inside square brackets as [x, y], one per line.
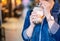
[45, 35]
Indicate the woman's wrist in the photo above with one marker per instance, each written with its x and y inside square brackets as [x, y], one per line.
[32, 25]
[51, 18]
[29, 30]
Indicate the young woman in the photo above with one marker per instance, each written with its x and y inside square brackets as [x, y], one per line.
[50, 29]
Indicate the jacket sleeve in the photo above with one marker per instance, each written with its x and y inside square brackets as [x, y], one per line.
[54, 28]
[56, 36]
[26, 25]
[55, 31]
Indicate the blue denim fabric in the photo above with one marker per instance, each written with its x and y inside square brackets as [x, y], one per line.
[45, 35]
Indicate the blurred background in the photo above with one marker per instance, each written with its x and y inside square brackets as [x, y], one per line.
[12, 16]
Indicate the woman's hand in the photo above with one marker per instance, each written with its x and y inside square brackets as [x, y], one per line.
[32, 18]
[47, 6]
[36, 16]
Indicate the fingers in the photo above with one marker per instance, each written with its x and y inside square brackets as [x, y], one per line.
[47, 4]
[33, 13]
[33, 16]
[32, 19]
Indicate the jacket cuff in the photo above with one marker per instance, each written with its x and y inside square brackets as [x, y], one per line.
[55, 27]
[25, 35]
